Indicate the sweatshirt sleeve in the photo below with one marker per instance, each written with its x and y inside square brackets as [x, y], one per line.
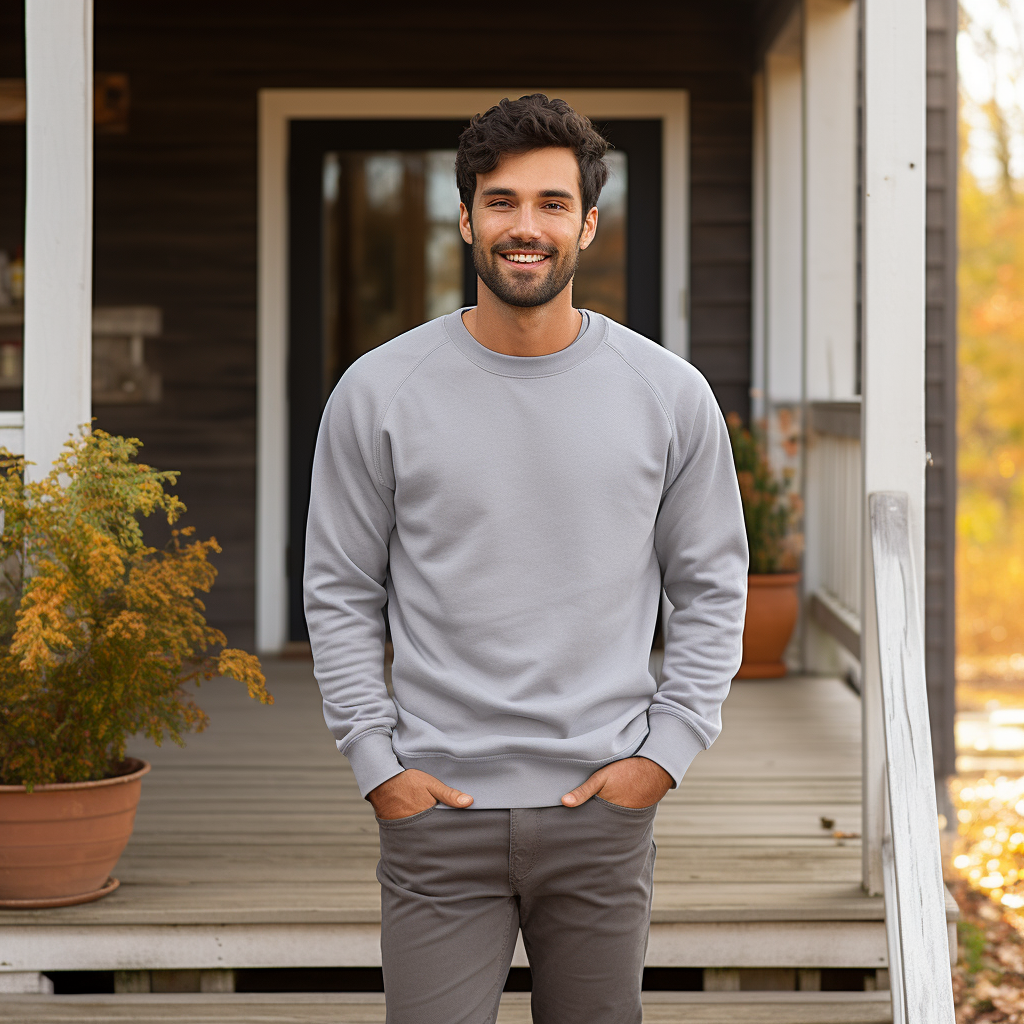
[351, 516]
[701, 543]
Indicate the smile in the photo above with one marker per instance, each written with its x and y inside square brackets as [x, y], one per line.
[516, 257]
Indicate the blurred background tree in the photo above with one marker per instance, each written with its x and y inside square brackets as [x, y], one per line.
[990, 519]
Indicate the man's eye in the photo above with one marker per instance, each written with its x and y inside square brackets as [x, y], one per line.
[557, 206]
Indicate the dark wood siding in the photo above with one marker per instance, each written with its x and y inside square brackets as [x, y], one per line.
[175, 214]
[940, 379]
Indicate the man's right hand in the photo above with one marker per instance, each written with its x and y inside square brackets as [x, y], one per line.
[412, 791]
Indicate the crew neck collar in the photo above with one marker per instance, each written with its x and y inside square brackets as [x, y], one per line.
[591, 333]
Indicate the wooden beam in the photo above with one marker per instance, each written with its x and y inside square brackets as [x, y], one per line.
[58, 225]
[892, 354]
[839, 418]
[12, 100]
[839, 624]
[110, 102]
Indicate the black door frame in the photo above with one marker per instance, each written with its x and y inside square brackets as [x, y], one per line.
[309, 141]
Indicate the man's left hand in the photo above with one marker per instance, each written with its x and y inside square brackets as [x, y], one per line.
[631, 782]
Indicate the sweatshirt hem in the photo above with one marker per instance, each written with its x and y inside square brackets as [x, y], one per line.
[510, 780]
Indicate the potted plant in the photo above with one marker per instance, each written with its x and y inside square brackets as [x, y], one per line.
[100, 633]
[770, 514]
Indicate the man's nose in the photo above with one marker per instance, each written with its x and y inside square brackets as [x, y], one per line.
[526, 225]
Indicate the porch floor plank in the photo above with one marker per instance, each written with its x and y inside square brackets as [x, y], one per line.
[259, 819]
[258, 822]
[302, 1008]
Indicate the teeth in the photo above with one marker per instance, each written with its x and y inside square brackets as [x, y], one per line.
[519, 258]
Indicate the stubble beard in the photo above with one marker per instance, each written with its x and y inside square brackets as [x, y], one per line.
[523, 292]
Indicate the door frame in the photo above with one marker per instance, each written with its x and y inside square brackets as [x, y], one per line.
[278, 107]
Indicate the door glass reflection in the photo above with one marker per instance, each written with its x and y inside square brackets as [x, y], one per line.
[393, 255]
[392, 249]
[600, 282]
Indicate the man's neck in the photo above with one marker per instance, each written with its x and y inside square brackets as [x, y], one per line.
[523, 331]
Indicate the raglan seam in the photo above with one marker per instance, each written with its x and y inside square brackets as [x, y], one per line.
[380, 420]
[671, 424]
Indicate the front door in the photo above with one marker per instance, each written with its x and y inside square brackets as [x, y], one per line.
[375, 250]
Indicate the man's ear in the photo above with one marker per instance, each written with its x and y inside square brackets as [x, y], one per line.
[589, 228]
[465, 224]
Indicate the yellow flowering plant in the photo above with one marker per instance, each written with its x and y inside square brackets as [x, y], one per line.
[99, 631]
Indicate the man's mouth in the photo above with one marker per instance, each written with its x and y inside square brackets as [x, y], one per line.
[524, 257]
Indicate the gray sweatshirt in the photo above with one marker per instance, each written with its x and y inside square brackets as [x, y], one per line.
[520, 515]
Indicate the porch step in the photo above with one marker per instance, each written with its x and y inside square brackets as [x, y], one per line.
[368, 1008]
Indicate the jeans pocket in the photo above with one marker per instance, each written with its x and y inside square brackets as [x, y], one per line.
[408, 819]
[633, 812]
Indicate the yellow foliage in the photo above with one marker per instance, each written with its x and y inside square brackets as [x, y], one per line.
[990, 421]
[100, 631]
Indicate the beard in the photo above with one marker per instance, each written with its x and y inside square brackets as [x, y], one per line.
[520, 289]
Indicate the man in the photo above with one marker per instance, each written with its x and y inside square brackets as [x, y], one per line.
[518, 480]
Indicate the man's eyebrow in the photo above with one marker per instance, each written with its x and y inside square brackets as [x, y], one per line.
[548, 193]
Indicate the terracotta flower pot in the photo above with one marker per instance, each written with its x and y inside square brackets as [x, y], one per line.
[772, 605]
[59, 843]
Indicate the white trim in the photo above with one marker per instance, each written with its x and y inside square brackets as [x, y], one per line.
[783, 196]
[277, 107]
[12, 432]
[830, 112]
[758, 230]
[832, 557]
[58, 226]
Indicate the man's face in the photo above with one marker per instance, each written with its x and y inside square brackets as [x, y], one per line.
[528, 225]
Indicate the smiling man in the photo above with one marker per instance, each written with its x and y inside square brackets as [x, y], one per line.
[519, 480]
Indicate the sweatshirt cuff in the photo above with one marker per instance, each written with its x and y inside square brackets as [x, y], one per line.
[671, 743]
[373, 760]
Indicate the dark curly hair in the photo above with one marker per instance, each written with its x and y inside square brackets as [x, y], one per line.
[530, 122]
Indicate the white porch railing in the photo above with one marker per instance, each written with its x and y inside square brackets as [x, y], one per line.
[12, 432]
[835, 488]
[915, 915]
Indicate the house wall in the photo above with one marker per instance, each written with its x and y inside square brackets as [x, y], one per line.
[940, 380]
[175, 196]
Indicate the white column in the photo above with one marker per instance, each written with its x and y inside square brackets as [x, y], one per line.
[892, 365]
[758, 241]
[58, 225]
[783, 76]
[830, 116]
[830, 280]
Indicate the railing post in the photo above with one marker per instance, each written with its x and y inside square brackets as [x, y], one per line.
[892, 348]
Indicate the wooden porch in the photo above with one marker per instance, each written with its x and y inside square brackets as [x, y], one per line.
[253, 849]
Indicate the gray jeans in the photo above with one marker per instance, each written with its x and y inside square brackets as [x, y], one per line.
[458, 885]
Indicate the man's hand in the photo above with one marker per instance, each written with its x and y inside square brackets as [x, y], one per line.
[412, 791]
[631, 782]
